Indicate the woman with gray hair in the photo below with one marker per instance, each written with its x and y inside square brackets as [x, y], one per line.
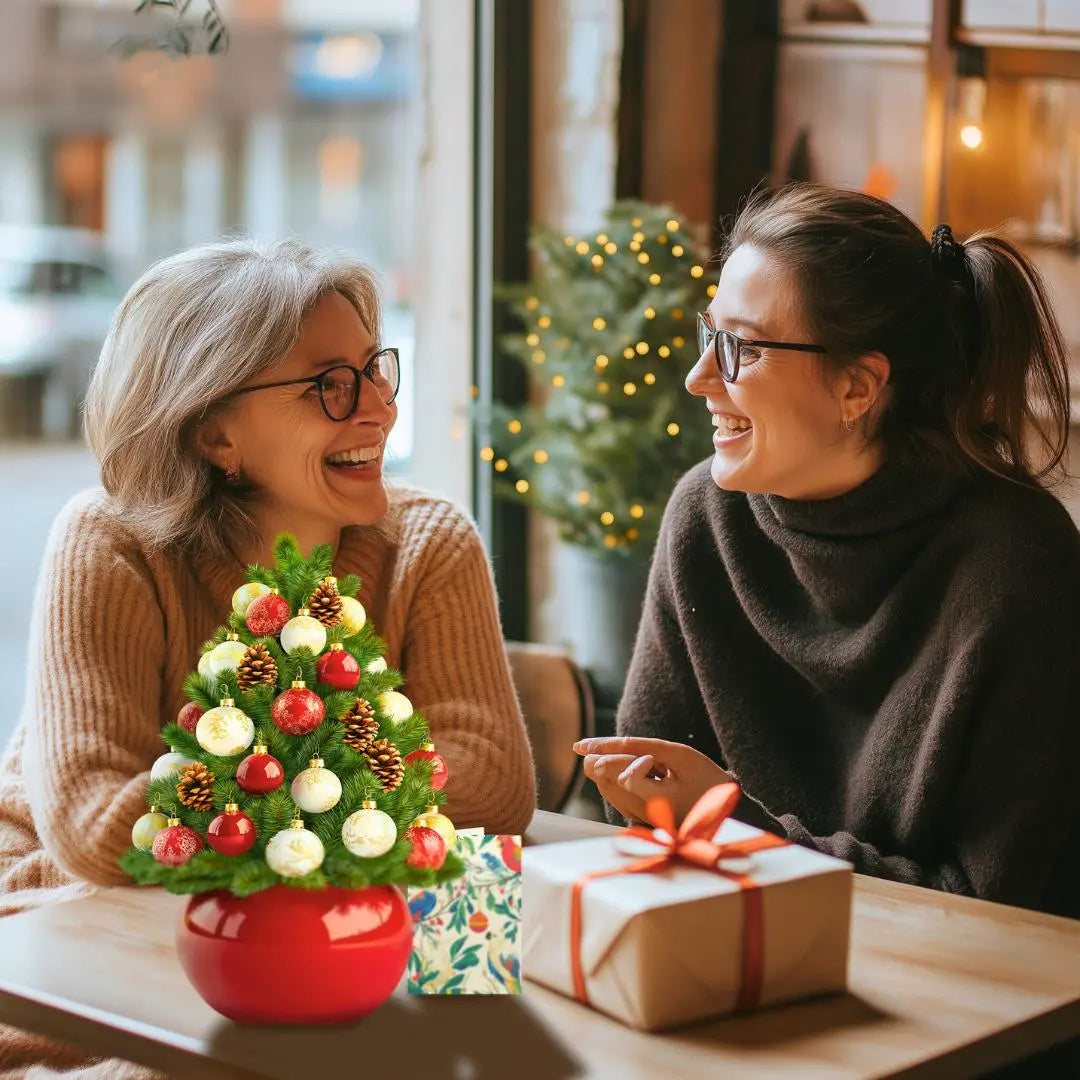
[243, 390]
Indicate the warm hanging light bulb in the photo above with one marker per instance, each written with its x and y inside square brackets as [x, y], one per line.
[971, 136]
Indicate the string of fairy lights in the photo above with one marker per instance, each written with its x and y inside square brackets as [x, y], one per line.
[534, 339]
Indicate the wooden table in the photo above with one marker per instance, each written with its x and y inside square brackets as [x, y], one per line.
[941, 986]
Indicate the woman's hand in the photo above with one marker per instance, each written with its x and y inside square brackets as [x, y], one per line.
[630, 771]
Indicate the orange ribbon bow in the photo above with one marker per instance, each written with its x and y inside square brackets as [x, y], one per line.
[693, 843]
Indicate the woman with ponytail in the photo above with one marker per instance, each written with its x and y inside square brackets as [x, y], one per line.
[863, 607]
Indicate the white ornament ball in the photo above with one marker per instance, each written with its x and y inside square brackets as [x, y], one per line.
[169, 765]
[146, 828]
[243, 597]
[294, 851]
[225, 731]
[223, 657]
[376, 665]
[397, 706]
[353, 614]
[303, 632]
[369, 833]
[316, 789]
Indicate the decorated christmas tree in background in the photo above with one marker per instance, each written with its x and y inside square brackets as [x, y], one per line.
[610, 335]
[296, 759]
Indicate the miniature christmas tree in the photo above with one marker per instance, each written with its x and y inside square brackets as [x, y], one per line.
[296, 759]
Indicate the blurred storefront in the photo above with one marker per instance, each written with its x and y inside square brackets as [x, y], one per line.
[306, 125]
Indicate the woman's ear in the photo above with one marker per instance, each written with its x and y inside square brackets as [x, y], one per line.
[211, 440]
[863, 386]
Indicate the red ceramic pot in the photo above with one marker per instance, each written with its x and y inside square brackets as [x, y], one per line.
[296, 956]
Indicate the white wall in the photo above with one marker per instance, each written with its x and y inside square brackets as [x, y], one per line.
[441, 454]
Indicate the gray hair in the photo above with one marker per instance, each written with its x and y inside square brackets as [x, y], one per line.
[194, 328]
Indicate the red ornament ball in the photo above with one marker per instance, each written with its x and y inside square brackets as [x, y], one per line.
[297, 711]
[259, 773]
[175, 844]
[478, 922]
[188, 716]
[338, 668]
[428, 848]
[439, 771]
[231, 832]
[267, 615]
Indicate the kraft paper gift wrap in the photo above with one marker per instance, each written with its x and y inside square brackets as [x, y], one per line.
[466, 933]
[664, 947]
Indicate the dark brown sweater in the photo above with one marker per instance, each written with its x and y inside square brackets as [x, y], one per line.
[892, 675]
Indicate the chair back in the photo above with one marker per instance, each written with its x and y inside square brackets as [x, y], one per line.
[557, 703]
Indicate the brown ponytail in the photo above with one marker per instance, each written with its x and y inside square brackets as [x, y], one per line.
[1018, 365]
[979, 369]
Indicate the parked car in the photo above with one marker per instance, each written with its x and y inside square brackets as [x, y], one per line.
[57, 296]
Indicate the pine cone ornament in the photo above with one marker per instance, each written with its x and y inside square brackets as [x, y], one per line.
[257, 667]
[195, 787]
[325, 602]
[384, 760]
[361, 727]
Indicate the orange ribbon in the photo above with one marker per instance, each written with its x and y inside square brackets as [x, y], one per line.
[693, 843]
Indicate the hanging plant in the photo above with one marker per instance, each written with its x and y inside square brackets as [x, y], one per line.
[184, 37]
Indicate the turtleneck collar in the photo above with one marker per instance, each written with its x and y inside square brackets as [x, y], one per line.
[894, 497]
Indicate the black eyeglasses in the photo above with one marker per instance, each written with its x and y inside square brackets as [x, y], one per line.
[731, 351]
[339, 387]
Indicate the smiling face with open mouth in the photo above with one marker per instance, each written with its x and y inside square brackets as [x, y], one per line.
[313, 474]
[779, 427]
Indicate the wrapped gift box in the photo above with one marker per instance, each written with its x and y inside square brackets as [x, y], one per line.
[666, 947]
[466, 933]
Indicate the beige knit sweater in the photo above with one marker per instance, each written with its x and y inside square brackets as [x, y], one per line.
[115, 630]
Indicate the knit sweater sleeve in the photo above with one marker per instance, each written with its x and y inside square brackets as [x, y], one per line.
[458, 675]
[662, 697]
[947, 875]
[92, 712]
[1014, 803]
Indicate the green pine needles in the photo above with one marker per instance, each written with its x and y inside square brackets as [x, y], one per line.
[609, 335]
[296, 578]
